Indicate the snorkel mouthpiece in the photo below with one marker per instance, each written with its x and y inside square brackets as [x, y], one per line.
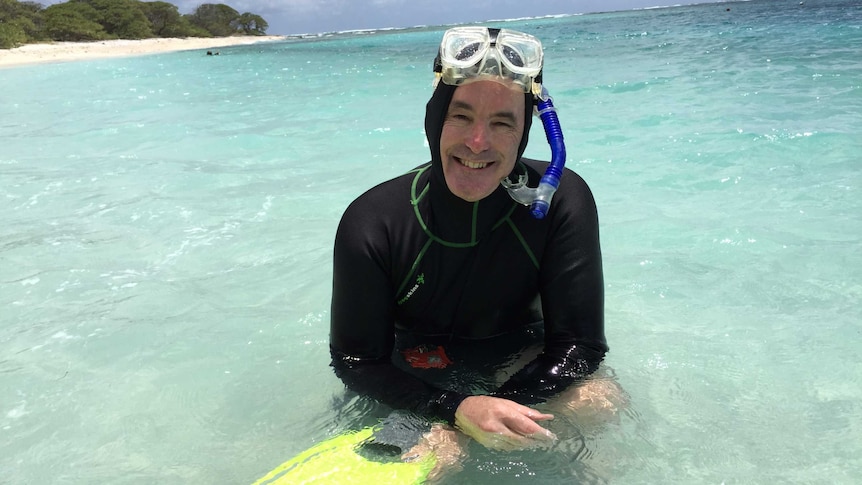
[539, 198]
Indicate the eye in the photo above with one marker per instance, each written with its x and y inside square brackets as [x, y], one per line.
[459, 117]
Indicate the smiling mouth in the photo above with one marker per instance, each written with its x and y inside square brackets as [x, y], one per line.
[473, 165]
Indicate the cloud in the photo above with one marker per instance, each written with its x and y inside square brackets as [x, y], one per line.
[314, 16]
[259, 6]
[291, 6]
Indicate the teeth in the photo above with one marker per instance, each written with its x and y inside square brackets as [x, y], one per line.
[469, 164]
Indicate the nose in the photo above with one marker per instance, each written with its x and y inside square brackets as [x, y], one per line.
[478, 138]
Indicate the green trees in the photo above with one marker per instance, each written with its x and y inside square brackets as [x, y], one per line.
[221, 20]
[122, 19]
[20, 22]
[166, 21]
[87, 20]
[251, 24]
[215, 18]
[72, 22]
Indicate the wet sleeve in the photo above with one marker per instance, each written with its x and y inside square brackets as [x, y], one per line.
[383, 382]
[362, 327]
[572, 291]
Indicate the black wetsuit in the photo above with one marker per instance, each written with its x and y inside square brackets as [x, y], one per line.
[412, 257]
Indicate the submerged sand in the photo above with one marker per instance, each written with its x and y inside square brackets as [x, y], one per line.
[76, 51]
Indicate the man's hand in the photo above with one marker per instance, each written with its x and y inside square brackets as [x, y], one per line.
[447, 445]
[502, 424]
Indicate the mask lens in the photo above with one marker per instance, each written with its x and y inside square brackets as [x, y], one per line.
[468, 52]
[512, 57]
[465, 47]
[521, 53]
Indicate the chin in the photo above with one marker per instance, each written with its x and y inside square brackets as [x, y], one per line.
[471, 195]
[469, 184]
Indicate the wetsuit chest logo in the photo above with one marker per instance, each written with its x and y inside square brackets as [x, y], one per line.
[420, 280]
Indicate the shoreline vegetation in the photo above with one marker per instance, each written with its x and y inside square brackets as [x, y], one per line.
[88, 29]
[53, 52]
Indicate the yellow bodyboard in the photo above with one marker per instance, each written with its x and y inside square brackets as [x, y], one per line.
[335, 461]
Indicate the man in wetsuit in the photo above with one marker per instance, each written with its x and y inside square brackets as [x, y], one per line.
[444, 256]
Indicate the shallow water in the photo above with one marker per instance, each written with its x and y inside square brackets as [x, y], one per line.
[165, 247]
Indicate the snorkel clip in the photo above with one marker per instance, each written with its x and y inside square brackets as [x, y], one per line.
[539, 198]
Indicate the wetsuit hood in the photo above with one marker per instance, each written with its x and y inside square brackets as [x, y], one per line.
[457, 218]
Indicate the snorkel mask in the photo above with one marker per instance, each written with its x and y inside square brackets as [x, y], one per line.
[470, 53]
[475, 53]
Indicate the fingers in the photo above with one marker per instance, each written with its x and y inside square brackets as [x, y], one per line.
[510, 440]
[502, 424]
[542, 437]
[536, 415]
[527, 427]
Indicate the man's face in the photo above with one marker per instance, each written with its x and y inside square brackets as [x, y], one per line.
[481, 134]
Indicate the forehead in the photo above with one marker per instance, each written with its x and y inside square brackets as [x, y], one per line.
[489, 95]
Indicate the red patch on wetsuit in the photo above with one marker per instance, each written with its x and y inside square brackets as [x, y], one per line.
[424, 357]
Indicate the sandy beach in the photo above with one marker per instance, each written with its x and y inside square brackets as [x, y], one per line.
[76, 51]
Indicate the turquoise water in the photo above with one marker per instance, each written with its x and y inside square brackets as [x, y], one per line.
[167, 224]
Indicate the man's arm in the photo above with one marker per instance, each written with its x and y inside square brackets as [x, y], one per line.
[384, 382]
[362, 328]
[572, 291]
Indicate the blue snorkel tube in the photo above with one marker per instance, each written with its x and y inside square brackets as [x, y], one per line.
[539, 198]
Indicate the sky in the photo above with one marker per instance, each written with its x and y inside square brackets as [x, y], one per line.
[288, 17]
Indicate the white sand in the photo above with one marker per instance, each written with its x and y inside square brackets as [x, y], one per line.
[76, 51]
